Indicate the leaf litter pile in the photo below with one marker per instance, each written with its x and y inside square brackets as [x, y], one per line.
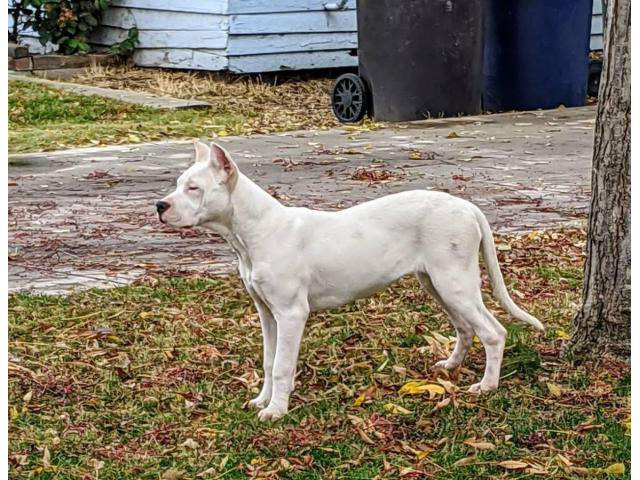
[151, 381]
[268, 103]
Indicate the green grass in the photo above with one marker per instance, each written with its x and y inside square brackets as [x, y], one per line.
[150, 381]
[42, 119]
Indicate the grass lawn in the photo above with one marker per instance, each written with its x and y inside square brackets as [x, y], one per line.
[150, 381]
[42, 119]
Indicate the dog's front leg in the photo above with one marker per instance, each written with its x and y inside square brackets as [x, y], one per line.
[290, 326]
[269, 332]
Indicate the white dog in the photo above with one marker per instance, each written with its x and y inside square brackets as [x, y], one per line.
[296, 260]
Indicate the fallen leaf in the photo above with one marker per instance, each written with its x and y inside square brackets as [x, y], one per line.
[358, 401]
[615, 469]
[441, 338]
[564, 460]
[420, 387]
[480, 445]
[365, 437]
[442, 403]
[173, 474]
[464, 461]
[513, 464]
[453, 135]
[207, 472]
[46, 458]
[422, 454]
[448, 386]
[190, 443]
[554, 390]
[393, 408]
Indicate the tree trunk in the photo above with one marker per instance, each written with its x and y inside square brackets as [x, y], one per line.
[603, 323]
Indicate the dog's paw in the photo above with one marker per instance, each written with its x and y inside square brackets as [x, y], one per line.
[482, 387]
[272, 412]
[446, 364]
[259, 402]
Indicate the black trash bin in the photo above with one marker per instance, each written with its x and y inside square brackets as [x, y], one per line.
[536, 53]
[417, 59]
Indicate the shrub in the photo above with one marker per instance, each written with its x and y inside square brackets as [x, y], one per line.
[69, 23]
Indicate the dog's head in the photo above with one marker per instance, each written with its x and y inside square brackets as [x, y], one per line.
[203, 191]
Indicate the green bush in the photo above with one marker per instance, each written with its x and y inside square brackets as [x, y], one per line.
[69, 23]
[66, 23]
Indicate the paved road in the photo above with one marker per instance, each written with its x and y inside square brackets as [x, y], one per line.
[85, 217]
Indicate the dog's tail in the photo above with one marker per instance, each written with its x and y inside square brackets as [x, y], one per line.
[495, 275]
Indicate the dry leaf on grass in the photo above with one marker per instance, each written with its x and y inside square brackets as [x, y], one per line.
[513, 465]
[421, 387]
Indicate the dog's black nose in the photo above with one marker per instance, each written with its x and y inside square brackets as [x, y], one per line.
[162, 207]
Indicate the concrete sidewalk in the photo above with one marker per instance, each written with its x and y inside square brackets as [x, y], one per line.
[85, 217]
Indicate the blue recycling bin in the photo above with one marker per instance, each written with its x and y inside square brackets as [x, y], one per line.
[536, 54]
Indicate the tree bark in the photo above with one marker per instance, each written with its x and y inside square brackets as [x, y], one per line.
[603, 323]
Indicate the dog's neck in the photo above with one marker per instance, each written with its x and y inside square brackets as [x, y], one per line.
[246, 224]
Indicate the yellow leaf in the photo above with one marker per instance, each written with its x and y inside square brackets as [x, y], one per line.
[258, 461]
[13, 413]
[134, 138]
[421, 455]
[554, 390]
[513, 465]
[393, 408]
[420, 387]
[415, 156]
[615, 469]
[560, 333]
[358, 401]
[453, 135]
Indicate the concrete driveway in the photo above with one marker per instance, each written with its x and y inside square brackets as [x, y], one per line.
[82, 218]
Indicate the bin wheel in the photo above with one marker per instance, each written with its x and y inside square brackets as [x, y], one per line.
[349, 98]
[595, 70]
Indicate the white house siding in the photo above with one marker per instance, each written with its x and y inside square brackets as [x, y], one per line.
[290, 35]
[243, 36]
[597, 26]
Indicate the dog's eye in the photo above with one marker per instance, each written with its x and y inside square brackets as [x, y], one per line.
[193, 189]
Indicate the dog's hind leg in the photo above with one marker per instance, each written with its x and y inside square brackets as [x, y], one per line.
[464, 332]
[459, 291]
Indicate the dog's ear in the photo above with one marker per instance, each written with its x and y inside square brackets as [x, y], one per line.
[222, 162]
[202, 150]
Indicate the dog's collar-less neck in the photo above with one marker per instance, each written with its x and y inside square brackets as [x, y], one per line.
[242, 228]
